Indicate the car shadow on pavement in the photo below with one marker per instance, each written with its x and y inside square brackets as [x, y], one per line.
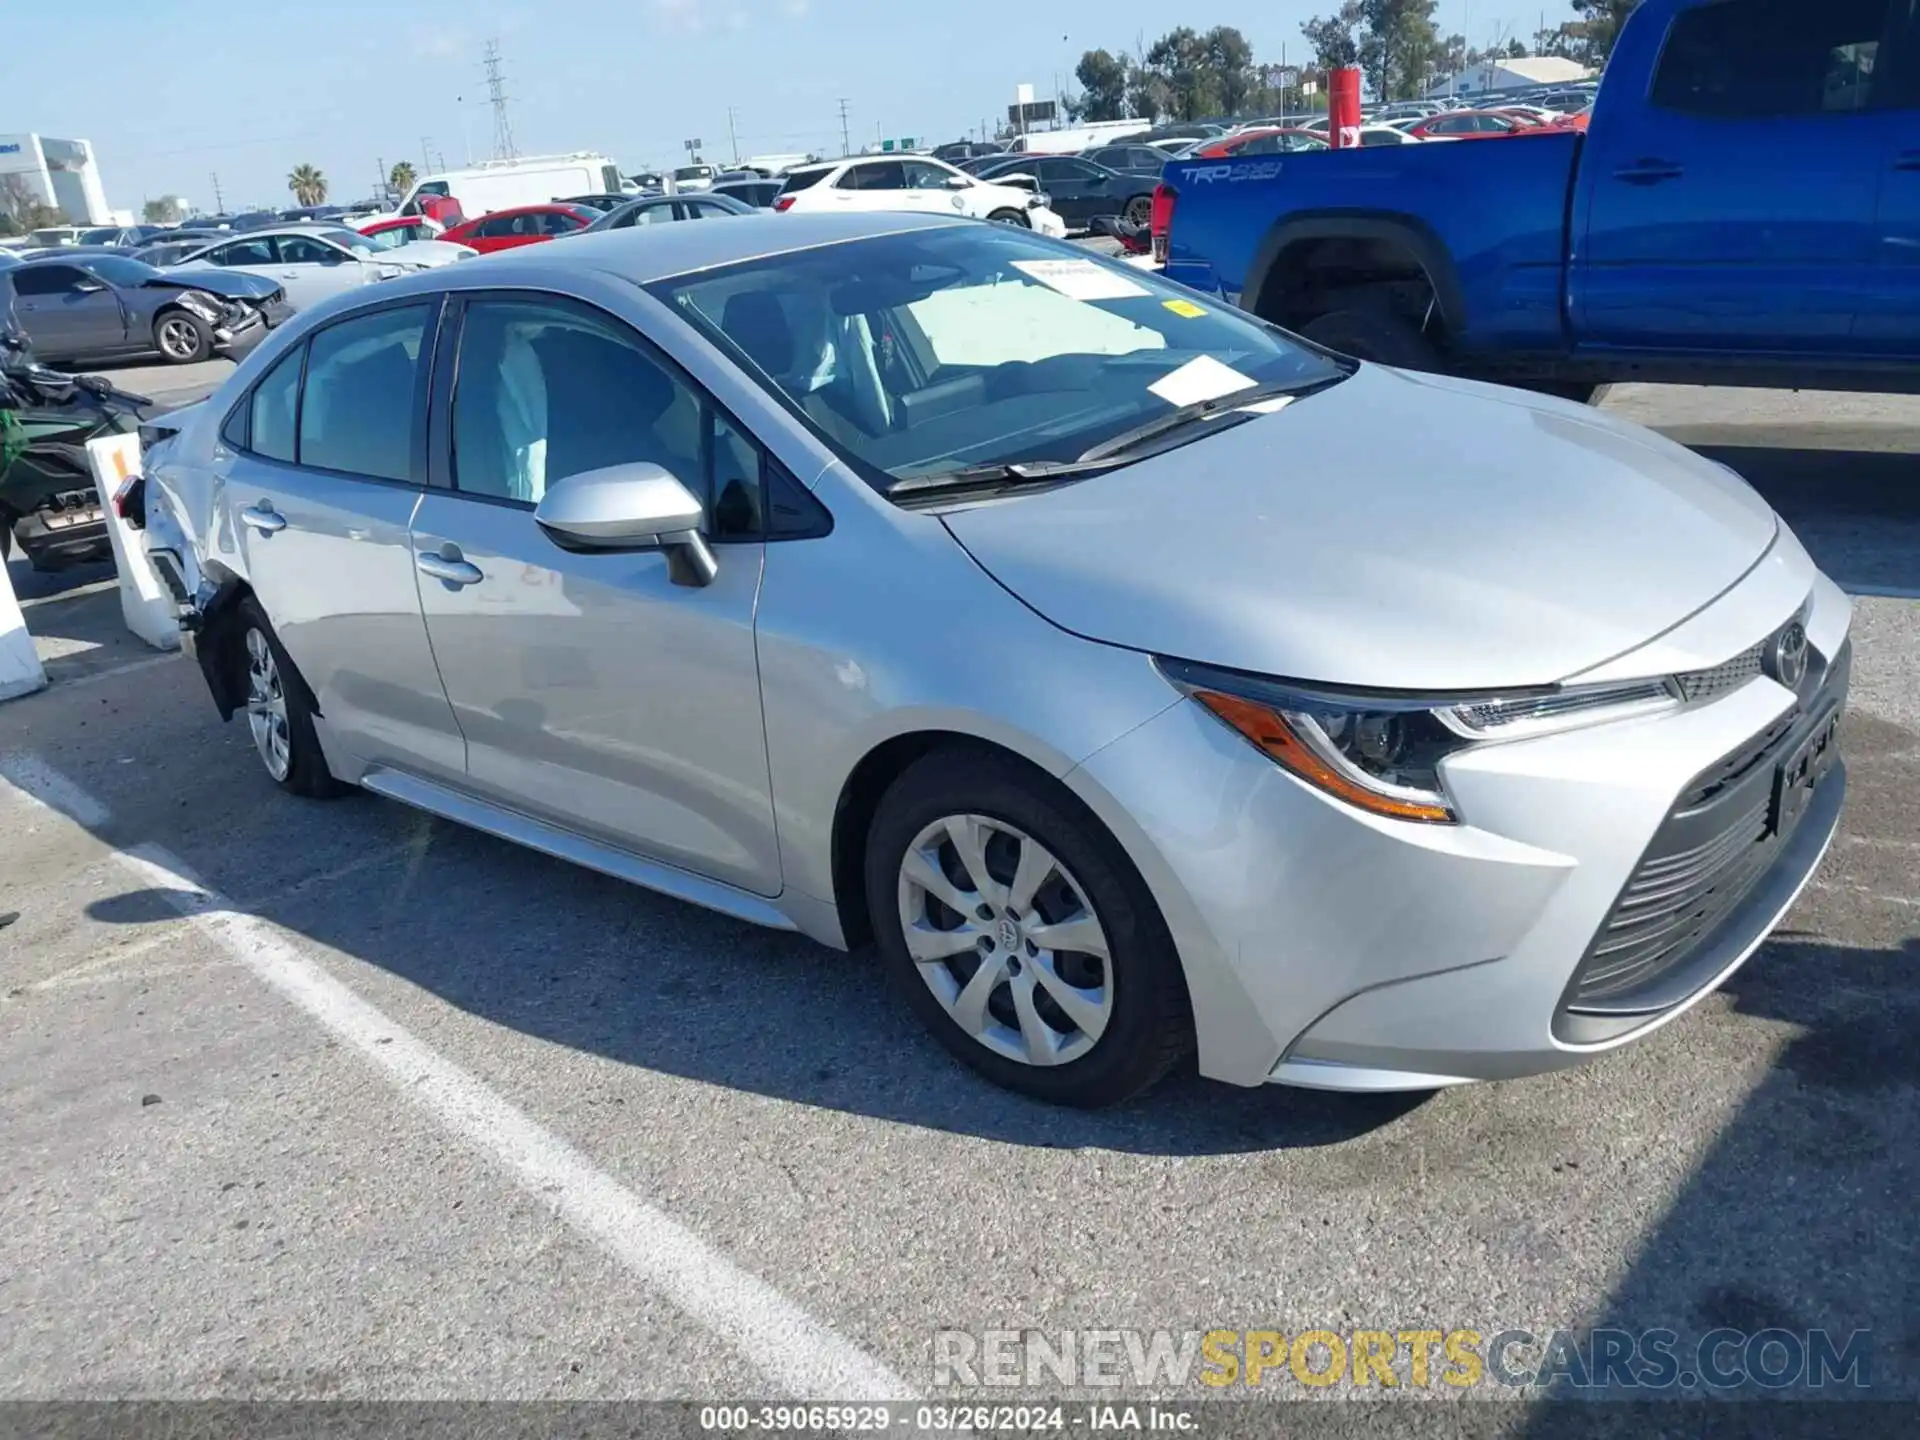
[1800, 1218]
[612, 970]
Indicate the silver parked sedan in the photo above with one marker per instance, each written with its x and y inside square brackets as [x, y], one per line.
[1138, 677]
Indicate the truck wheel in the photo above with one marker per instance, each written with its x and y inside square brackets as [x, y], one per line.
[181, 338]
[1375, 334]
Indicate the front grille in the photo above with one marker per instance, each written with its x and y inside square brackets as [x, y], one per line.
[1672, 903]
[1724, 678]
[1716, 844]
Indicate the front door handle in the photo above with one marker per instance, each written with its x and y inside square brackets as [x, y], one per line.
[1649, 172]
[448, 566]
[264, 518]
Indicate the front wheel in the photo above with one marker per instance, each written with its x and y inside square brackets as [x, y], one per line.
[1017, 930]
[1011, 217]
[1375, 333]
[182, 338]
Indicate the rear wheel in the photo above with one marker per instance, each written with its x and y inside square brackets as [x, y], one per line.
[1011, 217]
[1139, 211]
[182, 338]
[280, 710]
[1377, 334]
[1017, 930]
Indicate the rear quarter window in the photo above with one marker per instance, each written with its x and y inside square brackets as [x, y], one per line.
[803, 180]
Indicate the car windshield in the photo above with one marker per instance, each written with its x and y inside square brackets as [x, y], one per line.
[388, 239]
[122, 270]
[352, 239]
[930, 351]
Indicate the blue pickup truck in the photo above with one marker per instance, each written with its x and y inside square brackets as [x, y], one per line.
[1743, 208]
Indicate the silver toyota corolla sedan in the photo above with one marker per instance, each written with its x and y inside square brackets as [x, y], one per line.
[1137, 677]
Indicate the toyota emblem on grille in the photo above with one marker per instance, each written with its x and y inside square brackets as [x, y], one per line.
[1787, 656]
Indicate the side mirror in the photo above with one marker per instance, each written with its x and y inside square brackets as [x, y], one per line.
[88, 287]
[638, 506]
[959, 182]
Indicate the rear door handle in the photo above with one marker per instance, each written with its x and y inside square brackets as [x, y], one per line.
[264, 518]
[1907, 160]
[1649, 172]
[448, 566]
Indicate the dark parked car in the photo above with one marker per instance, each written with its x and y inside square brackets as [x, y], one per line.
[1129, 159]
[1081, 191]
[172, 246]
[102, 307]
[664, 209]
[601, 200]
[958, 150]
[122, 236]
[649, 182]
[756, 193]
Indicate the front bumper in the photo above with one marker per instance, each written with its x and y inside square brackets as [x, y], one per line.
[239, 333]
[1046, 222]
[1328, 948]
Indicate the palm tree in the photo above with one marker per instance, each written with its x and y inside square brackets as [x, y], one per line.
[308, 185]
[401, 177]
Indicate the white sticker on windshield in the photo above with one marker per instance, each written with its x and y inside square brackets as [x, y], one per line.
[1080, 279]
[1201, 378]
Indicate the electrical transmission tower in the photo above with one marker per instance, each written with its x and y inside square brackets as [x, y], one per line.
[497, 93]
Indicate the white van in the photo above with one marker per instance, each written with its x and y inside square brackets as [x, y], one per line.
[529, 180]
[1081, 137]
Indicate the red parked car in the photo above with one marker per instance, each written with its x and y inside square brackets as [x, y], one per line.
[409, 227]
[1473, 125]
[526, 225]
[1263, 140]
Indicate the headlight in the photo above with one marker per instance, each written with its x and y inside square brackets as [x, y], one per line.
[391, 272]
[1382, 752]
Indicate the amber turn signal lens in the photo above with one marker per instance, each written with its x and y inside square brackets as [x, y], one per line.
[1270, 733]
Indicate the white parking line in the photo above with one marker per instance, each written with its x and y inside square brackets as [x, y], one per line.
[793, 1350]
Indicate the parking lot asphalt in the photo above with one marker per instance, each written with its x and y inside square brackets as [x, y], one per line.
[337, 1100]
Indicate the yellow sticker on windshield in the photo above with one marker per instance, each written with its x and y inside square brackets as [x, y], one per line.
[1184, 307]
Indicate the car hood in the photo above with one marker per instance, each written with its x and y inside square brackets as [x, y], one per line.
[229, 284]
[1396, 530]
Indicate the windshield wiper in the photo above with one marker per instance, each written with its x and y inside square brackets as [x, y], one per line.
[1000, 476]
[1231, 408]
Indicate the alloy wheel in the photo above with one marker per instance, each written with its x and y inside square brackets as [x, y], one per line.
[1139, 211]
[178, 338]
[267, 707]
[1005, 938]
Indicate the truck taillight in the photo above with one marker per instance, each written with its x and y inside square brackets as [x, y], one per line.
[783, 202]
[1160, 220]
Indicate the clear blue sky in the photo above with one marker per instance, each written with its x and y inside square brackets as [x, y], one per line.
[175, 90]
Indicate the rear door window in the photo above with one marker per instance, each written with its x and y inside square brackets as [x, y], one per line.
[1772, 57]
[359, 407]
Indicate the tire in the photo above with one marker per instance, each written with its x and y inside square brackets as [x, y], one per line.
[1135, 998]
[1139, 212]
[181, 337]
[1011, 217]
[276, 692]
[1375, 334]
[7, 519]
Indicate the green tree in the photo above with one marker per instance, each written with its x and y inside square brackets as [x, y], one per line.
[1335, 38]
[1103, 83]
[165, 210]
[401, 177]
[308, 185]
[1179, 58]
[1398, 48]
[1230, 60]
[22, 209]
[1602, 21]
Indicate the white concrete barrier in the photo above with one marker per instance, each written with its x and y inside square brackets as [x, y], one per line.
[20, 670]
[148, 608]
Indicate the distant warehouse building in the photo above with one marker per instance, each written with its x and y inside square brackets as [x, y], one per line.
[1512, 75]
[60, 173]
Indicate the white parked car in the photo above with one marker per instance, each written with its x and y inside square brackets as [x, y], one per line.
[313, 263]
[913, 182]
